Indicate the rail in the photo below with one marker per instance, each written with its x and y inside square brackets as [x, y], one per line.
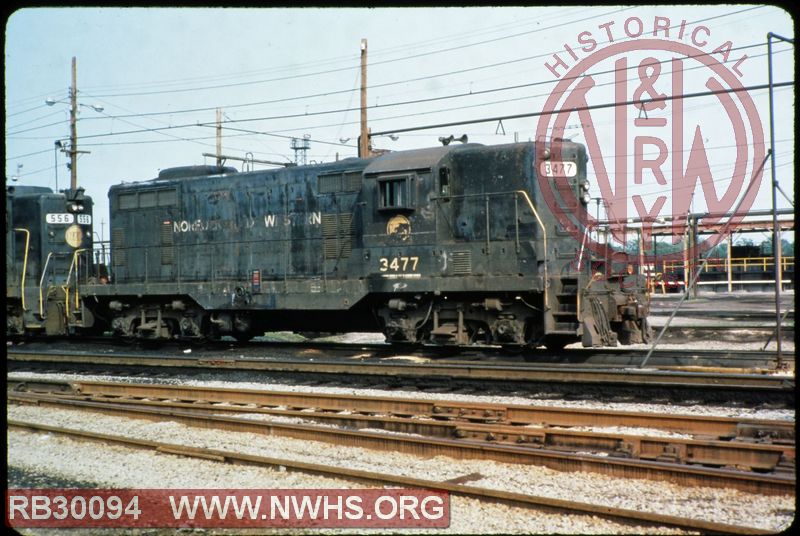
[779, 386]
[506, 497]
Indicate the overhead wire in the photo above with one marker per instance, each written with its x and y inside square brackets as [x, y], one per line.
[415, 56]
[417, 79]
[385, 105]
[268, 118]
[177, 138]
[428, 42]
[329, 71]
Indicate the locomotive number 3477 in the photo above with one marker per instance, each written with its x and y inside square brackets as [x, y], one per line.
[398, 264]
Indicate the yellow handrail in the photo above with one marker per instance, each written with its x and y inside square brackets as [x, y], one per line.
[736, 262]
[41, 282]
[24, 264]
[65, 287]
[527, 198]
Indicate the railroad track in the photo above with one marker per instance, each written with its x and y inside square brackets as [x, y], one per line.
[762, 452]
[221, 408]
[456, 488]
[675, 358]
[565, 378]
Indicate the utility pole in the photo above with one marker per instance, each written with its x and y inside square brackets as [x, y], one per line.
[73, 127]
[219, 137]
[363, 139]
[776, 230]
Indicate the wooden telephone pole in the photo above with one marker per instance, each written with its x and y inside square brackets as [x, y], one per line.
[73, 127]
[363, 139]
[219, 137]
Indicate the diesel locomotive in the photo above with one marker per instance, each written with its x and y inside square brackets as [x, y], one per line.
[49, 256]
[451, 245]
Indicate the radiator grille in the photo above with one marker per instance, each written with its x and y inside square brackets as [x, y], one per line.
[167, 249]
[462, 262]
[118, 246]
[347, 182]
[352, 181]
[329, 184]
[337, 233]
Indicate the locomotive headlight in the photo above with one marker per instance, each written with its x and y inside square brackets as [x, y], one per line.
[546, 154]
[585, 186]
[75, 207]
[585, 198]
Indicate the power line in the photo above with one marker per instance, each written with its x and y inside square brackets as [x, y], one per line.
[403, 47]
[28, 154]
[456, 123]
[417, 101]
[442, 125]
[373, 64]
[34, 128]
[57, 112]
[586, 108]
[429, 53]
[385, 51]
[278, 135]
[26, 111]
[280, 79]
[504, 101]
[418, 79]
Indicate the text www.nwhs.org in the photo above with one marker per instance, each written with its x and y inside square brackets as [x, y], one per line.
[375, 508]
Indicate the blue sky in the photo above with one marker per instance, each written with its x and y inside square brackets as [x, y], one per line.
[161, 72]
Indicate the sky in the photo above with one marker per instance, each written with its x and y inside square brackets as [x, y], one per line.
[160, 74]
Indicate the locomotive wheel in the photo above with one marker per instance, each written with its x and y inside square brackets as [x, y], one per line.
[210, 332]
[478, 333]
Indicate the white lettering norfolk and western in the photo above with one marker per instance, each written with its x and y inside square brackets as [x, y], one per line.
[270, 220]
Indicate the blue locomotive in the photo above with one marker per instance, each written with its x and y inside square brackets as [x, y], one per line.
[450, 245]
[49, 258]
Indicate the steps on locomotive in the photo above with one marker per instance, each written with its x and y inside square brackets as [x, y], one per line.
[565, 314]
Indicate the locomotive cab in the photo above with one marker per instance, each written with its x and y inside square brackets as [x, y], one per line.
[49, 258]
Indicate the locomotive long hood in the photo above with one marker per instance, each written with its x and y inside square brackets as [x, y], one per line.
[421, 159]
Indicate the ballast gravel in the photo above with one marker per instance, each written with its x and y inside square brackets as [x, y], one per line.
[115, 466]
[121, 467]
[709, 411]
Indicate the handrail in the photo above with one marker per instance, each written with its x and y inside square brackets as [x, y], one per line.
[65, 287]
[527, 198]
[578, 269]
[24, 264]
[735, 262]
[41, 282]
